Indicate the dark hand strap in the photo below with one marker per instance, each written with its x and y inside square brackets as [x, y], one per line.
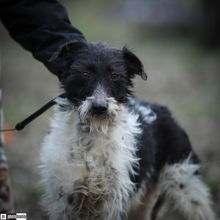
[36, 114]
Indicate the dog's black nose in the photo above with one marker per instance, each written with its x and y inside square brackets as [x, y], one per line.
[99, 108]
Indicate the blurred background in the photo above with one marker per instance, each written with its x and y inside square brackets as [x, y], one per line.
[178, 42]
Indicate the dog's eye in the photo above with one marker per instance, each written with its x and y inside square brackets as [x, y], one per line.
[85, 75]
[114, 77]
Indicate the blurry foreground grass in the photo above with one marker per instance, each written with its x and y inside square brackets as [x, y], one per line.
[181, 75]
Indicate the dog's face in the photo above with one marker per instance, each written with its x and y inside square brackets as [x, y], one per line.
[98, 79]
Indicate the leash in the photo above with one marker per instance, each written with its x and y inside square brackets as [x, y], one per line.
[36, 114]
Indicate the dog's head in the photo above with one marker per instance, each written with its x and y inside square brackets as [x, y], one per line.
[97, 79]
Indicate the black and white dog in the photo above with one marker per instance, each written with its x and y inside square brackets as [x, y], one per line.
[110, 156]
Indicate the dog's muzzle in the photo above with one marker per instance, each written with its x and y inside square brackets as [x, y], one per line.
[99, 107]
[98, 110]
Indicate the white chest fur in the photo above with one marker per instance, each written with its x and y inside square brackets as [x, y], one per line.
[89, 167]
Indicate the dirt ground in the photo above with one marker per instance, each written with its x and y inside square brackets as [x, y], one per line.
[181, 75]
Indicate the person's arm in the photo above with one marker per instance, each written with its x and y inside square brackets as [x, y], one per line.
[40, 26]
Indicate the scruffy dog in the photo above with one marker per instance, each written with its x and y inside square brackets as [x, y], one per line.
[110, 156]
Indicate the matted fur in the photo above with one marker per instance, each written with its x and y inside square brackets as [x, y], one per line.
[185, 194]
[91, 165]
[109, 156]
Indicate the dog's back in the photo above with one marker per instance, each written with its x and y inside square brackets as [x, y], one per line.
[110, 156]
[170, 168]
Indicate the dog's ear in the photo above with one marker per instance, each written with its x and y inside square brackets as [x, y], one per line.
[133, 64]
[68, 48]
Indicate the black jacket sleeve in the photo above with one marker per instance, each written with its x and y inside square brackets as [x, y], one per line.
[40, 26]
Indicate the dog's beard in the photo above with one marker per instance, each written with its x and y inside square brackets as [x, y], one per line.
[98, 123]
